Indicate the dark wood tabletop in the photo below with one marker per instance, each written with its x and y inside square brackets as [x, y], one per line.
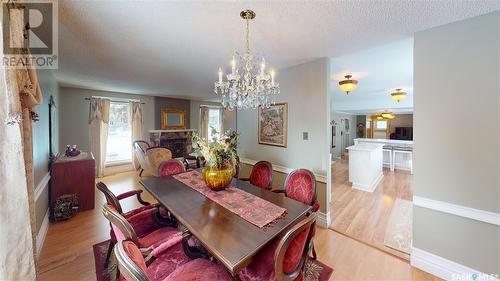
[229, 238]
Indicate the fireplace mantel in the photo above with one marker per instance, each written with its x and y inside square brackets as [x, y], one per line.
[173, 131]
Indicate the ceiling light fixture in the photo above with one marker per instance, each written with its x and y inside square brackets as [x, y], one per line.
[387, 115]
[398, 95]
[248, 85]
[348, 85]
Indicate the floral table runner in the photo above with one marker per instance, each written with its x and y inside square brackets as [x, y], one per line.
[248, 206]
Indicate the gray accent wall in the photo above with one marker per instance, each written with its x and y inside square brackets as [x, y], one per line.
[457, 139]
[48, 85]
[170, 103]
[74, 114]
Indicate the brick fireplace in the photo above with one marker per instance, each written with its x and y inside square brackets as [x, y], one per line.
[179, 142]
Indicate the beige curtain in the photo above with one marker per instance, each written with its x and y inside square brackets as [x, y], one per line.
[98, 123]
[204, 122]
[20, 93]
[136, 126]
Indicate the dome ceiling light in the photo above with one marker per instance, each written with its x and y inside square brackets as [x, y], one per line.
[398, 95]
[348, 85]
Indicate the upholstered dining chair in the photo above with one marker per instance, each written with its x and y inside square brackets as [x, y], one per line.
[152, 243]
[134, 267]
[171, 167]
[300, 185]
[155, 157]
[114, 200]
[261, 175]
[284, 259]
[140, 147]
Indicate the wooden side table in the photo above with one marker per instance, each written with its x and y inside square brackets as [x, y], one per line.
[74, 175]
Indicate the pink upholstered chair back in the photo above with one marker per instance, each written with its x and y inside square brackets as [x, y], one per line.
[121, 227]
[300, 185]
[292, 250]
[171, 167]
[131, 263]
[262, 174]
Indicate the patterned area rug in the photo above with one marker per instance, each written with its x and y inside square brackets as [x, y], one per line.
[399, 228]
[314, 270]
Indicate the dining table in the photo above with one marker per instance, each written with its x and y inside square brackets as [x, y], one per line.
[228, 237]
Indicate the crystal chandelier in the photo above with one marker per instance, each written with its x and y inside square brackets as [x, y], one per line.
[249, 85]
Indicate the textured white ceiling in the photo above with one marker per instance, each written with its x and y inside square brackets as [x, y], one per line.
[174, 48]
[379, 72]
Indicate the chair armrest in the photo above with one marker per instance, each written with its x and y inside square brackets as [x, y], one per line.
[164, 246]
[132, 193]
[128, 194]
[244, 179]
[277, 190]
[315, 207]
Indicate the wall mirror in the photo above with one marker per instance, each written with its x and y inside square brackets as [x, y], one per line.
[173, 119]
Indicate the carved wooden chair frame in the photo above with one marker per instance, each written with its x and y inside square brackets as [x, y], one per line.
[113, 200]
[279, 255]
[126, 266]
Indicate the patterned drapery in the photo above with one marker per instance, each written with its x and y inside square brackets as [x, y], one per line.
[204, 122]
[20, 93]
[98, 124]
[136, 126]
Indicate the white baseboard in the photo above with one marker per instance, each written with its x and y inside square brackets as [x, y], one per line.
[458, 210]
[282, 169]
[42, 185]
[323, 220]
[371, 187]
[42, 233]
[444, 268]
[116, 169]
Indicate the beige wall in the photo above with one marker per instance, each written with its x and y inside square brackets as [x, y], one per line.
[337, 116]
[74, 114]
[457, 138]
[305, 88]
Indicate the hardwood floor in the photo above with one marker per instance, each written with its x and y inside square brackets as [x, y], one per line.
[67, 252]
[364, 215]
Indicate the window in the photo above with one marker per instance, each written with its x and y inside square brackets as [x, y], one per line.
[381, 125]
[214, 122]
[119, 134]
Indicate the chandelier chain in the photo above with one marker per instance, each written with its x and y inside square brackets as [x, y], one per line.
[248, 35]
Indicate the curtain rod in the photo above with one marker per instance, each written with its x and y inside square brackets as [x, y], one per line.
[119, 100]
[210, 106]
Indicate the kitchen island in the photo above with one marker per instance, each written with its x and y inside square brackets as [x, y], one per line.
[365, 165]
[401, 161]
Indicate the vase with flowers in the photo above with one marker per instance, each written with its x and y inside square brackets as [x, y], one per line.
[220, 156]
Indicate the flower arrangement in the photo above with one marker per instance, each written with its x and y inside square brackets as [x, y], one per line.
[220, 151]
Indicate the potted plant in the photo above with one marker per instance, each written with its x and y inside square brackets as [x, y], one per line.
[220, 156]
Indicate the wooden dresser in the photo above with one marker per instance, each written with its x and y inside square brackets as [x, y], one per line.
[74, 175]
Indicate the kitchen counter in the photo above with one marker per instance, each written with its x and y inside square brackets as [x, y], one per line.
[365, 165]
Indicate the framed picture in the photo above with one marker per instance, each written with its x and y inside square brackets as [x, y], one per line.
[173, 119]
[273, 125]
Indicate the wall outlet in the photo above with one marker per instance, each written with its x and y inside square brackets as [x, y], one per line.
[305, 135]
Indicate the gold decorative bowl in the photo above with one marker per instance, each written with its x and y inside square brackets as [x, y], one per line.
[218, 179]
